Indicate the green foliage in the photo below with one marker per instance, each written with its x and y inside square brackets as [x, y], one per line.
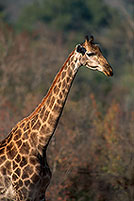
[2, 14]
[67, 15]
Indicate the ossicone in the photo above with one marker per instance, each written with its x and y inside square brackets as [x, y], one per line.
[89, 40]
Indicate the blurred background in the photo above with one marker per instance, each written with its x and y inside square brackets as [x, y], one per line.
[91, 155]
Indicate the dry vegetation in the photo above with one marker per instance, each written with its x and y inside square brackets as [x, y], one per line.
[91, 154]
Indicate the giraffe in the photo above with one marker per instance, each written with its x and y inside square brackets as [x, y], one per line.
[24, 171]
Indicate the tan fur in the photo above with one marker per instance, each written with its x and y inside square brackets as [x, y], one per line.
[24, 172]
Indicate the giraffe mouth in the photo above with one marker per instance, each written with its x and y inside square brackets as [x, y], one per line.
[108, 73]
[107, 70]
[92, 67]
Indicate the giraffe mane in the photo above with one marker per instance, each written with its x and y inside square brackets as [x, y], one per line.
[48, 93]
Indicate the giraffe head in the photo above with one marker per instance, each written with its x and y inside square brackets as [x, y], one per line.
[91, 57]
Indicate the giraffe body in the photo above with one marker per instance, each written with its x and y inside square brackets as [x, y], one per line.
[25, 175]
[24, 172]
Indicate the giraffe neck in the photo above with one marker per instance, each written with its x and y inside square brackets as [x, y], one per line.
[44, 120]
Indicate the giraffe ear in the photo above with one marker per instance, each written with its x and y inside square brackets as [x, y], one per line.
[80, 49]
[86, 38]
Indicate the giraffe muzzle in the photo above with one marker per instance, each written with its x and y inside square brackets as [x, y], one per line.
[108, 71]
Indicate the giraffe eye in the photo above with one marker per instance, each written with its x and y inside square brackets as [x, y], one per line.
[90, 54]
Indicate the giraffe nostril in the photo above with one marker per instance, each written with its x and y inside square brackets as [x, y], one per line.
[111, 73]
[108, 69]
